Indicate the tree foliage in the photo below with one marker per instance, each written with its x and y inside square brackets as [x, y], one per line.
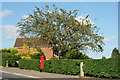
[115, 53]
[62, 29]
[27, 53]
[73, 54]
[103, 57]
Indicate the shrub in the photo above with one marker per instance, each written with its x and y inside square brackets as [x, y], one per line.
[11, 59]
[25, 57]
[68, 67]
[9, 50]
[103, 68]
[26, 53]
[104, 57]
[32, 64]
[37, 54]
[74, 54]
[13, 50]
[4, 50]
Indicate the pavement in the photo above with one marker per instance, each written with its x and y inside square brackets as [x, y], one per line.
[9, 73]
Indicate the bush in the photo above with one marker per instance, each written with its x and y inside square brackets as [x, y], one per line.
[68, 67]
[11, 59]
[103, 68]
[32, 64]
[9, 50]
[13, 50]
[104, 57]
[38, 54]
[73, 54]
[26, 53]
[4, 50]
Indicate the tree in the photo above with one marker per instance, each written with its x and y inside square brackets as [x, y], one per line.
[73, 54]
[62, 29]
[103, 57]
[115, 53]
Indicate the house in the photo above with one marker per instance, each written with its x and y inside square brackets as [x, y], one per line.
[43, 44]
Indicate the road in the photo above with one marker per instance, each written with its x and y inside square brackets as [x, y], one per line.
[19, 74]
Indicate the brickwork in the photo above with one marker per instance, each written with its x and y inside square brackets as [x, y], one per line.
[48, 52]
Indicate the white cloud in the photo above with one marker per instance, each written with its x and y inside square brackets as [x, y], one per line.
[79, 19]
[6, 13]
[25, 16]
[9, 32]
[110, 39]
[85, 21]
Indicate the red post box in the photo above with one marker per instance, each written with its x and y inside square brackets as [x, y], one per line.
[42, 62]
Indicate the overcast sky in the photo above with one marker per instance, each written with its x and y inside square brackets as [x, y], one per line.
[103, 14]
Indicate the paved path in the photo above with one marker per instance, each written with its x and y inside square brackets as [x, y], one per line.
[20, 74]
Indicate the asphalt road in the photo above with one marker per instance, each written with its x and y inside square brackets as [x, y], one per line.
[8, 76]
[19, 74]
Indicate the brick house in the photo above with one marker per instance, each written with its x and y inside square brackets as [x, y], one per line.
[43, 44]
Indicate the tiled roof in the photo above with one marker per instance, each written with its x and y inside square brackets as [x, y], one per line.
[29, 41]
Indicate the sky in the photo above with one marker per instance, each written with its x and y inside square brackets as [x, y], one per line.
[59, 0]
[103, 14]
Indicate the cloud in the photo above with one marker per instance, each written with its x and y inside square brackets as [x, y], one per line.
[25, 16]
[9, 32]
[79, 19]
[110, 39]
[6, 13]
[85, 21]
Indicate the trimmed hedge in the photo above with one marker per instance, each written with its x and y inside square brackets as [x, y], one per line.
[69, 67]
[9, 50]
[11, 59]
[31, 64]
[104, 68]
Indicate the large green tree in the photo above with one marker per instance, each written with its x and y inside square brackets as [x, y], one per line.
[62, 29]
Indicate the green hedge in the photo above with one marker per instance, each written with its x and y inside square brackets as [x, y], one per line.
[11, 59]
[69, 67]
[104, 68]
[9, 50]
[31, 64]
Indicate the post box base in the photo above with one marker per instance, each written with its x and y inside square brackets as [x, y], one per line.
[41, 70]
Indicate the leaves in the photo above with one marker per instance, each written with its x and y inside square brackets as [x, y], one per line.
[115, 53]
[61, 29]
[104, 68]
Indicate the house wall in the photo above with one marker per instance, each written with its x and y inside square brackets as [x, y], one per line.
[48, 52]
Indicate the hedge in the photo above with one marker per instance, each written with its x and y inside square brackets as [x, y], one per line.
[69, 67]
[103, 68]
[11, 59]
[31, 64]
[9, 50]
